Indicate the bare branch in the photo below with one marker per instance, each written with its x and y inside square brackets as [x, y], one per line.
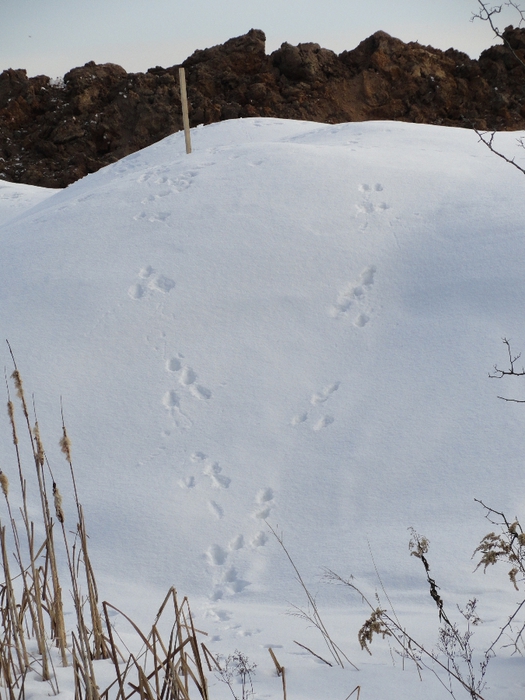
[487, 137]
[487, 14]
[511, 372]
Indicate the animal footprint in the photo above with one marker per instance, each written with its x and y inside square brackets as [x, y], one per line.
[299, 418]
[236, 543]
[366, 206]
[157, 283]
[260, 539]
[173, 364]
[161, 284]
[200, 392]
[216, 555]
[355, 294]
[232, 581]
[171, 402]
[323, 422]
[322, 396]
[264, 495]
[213, 470]
[216, 509]
[361, 320]
[317, 399]
[264, 501]
[136, 291]
[188, 378]
[218, 480]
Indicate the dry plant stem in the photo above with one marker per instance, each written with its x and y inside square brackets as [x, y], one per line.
[171, 672]
[100, 650]
[57, 613]
[401, 637]
[114, 654]
[280, 670]
[313, 653]
[314, 617]
[34, 592]
[57, 608]
[15, 622]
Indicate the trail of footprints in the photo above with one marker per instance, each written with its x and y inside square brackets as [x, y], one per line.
[163, 186]
[368, 204]
[150, 281]
[353, 297]
[319, 398]
[225, 576]
[187, 386]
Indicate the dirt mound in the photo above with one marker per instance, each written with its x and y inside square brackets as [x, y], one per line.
[53, 134]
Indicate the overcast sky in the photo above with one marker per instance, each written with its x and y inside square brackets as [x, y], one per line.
[53, 36]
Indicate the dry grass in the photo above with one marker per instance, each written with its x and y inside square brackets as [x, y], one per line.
[169, 667]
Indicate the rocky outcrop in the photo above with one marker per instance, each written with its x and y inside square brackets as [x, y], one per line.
[53, 134]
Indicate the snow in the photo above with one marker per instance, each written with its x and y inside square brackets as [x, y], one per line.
[293, 324]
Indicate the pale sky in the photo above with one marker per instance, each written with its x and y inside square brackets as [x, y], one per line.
[53, 36]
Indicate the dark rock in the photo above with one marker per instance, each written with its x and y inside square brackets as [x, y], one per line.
[51, 135]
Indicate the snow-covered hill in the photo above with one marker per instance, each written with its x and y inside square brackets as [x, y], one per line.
[293, 324]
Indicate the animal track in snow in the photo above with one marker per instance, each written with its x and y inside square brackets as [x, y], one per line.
[173, 364]
[218, 480]
[200, 392]
[322, 396]
[259, 540]
[156, 283]
[262, 513]
[187, 483]
[264, 495]
[136, 291]
[217, 555]
[216, 509]
[236, 543]
[300, 418]
[323, 422]
[264, 500]
[171, 402]
[355, 295]
[161, 283]
[317, 399]
[367, 206]
[187, 378]
[232, 582]
[171, 399]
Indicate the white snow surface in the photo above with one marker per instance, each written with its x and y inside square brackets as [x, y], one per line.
[294, 324]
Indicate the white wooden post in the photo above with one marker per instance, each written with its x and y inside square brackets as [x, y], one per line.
[184, 101]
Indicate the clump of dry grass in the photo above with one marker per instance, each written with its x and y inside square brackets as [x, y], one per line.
[31, 607]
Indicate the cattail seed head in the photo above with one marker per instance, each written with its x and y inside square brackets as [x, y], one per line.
[18, 384]
[65, 445]
[57, 497]
[11, 414]
[39, 454]
[521, 539]
[4, 483]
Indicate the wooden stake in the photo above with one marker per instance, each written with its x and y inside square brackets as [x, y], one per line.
[184, 101]
[280, 671]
